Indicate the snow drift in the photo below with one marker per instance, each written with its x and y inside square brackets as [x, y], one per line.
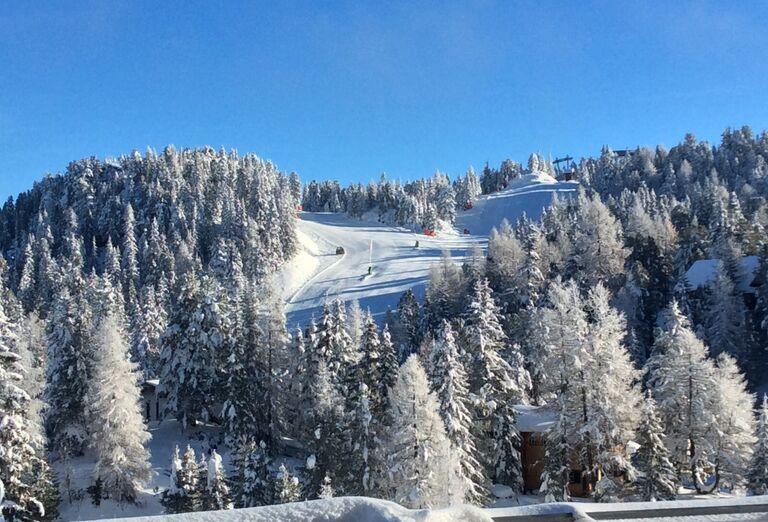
[343, 509]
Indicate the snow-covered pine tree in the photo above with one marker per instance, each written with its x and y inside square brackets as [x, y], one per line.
[324, 437]
[368, 368]
[449, 383]
[130, 253]
[294, 381]
[363, 466]
[287, 487]
[683, 382]
[658, 477]
[725, 318]
[312, 361]
[18, 456]
[216, 495]
[598, 253]
[69, 367]
[242, 408]
[355, 320]
[27, 286]
[734, 437]
[183, 495]
[444, 292]
[556, 474]
[342, 353]
[194, 345]
[326, 490]
[147, 325]
[253, 484]
[274, 369]
[173, 497]
[607, 410]
[497, 386]
[757, 476]
[388, 369]
[118, 433]
[505, 257]
[408, 318]
[421, 465]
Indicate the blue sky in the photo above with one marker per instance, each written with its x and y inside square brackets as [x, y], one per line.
[350, 89]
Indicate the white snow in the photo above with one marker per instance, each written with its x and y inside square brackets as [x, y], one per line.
[318, 274]
[581, 511]
[529, 194]
[534, 419]
[702, 273]
[343, 509]
[502, 491]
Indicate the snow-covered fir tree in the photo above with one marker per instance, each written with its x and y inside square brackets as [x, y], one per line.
[324, 432]
[273, 372]
[609, 397]
[215, 495]
[326, 490]
[364, 432]
[598, 253]
[243, 367]
[295, 382]
[194, 344]
[725, 321]
[556, 474]
[658, 477]
[147, 325]
[118, 434]
[422, 467]
[449, 383]
[69, 367]
[19, 456]
[406, 331]
[388, 369]
[734, 436]
[253, 484]
[757, 475]
[496, 384]
[369, 366]
[288, 488]
[683, 382]
[183, 493]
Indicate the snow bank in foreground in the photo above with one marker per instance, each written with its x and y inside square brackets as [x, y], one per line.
[582, 511]
[344, 509]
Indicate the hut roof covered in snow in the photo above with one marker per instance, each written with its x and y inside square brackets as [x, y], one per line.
[703, 272]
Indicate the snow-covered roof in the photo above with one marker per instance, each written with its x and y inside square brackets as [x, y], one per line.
[703, 271]
[153, 383]
[534, 419]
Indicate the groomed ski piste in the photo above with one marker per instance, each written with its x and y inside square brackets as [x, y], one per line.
[318, 274]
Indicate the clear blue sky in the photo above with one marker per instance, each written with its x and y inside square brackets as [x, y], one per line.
[350, 89]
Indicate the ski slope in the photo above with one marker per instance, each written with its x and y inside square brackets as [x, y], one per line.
[529, 194]
[318, 274]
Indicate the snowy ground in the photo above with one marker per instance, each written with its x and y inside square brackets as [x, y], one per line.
[165, 436]
[319, 274]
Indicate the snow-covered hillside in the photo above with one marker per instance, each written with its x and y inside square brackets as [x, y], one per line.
[528, 194]
[319, 274]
